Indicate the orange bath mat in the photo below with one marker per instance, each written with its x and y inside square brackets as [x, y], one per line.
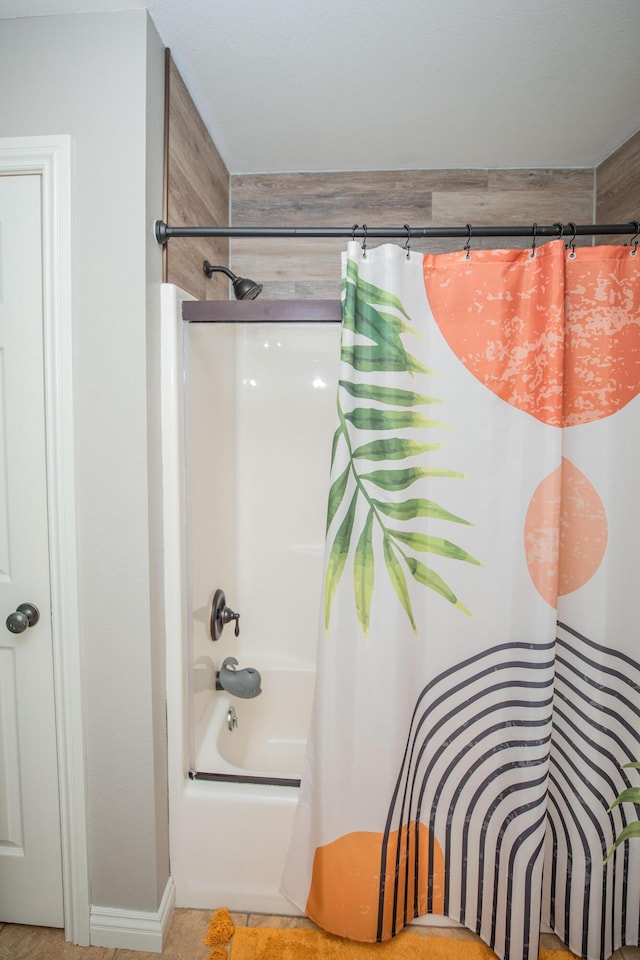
[268, 943]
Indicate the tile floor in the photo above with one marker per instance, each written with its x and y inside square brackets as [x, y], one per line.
[185, 940]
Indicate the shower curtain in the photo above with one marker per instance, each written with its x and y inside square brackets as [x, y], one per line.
[478, 659]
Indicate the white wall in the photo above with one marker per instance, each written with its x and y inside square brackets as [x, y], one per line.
[99, 78]
[286, 401]
[210, 415]
[260, 421]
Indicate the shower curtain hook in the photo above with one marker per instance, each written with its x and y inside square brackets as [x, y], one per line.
[364, 242]
[467, 245]
[560, 227]
[634, 239]
[353, 231]
[406, 246]
[572, 241]
[532, 255]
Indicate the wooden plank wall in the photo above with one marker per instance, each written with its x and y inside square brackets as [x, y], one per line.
[196, 193]
[618, 187]
[303, 268]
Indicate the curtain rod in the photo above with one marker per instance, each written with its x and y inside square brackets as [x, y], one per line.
[164, 232]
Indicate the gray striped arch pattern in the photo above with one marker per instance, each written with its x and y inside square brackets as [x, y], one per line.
[512, 760]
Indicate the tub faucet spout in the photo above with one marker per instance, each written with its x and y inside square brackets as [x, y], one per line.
[239, 683]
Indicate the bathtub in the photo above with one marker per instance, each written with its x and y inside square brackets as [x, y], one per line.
[261, 740]
[233, 814]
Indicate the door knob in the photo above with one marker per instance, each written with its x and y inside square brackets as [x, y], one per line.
[26, 615]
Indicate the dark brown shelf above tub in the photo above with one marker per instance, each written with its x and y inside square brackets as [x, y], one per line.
[262, 311]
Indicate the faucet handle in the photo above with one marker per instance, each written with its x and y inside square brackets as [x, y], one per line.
[227, 615]
[220, 614]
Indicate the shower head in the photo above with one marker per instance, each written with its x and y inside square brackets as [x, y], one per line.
[243, 289]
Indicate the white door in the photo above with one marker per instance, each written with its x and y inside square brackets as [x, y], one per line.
[30, 847]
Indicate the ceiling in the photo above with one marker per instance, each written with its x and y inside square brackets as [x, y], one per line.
[301, 85]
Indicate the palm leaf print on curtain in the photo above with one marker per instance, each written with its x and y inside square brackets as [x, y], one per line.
[373, 321]
[477, 687]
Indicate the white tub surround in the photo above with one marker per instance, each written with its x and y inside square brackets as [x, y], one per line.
[248, 415]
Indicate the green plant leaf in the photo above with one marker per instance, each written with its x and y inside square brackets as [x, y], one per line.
[366, 359]
[336, 440]
[338, 558]
[630, 831]
[635, 763]
[336, 494]
[435, 582]
[410, 509]
[398, 580]
[371, 418]
[630, 795]
[372, 293]
[413, 365]
[348, 316]
[349, 307]
[373, 326]
[386, 357]
[370, 324]
[376, 321]
[398, 324]
[392, 449]
[360, 315]
[399, 398]
[363, 573]
[400, 479]
[425, 543]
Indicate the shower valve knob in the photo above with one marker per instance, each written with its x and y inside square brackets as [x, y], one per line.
[220, 615]
[228, 615]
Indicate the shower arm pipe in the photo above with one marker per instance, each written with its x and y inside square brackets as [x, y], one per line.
[568, 231]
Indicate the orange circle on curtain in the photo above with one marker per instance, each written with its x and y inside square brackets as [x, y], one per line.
[565, 533]
[346, 882]
[602, 348]
[501, 312]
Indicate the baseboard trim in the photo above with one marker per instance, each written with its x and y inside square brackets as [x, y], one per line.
[131, 929]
